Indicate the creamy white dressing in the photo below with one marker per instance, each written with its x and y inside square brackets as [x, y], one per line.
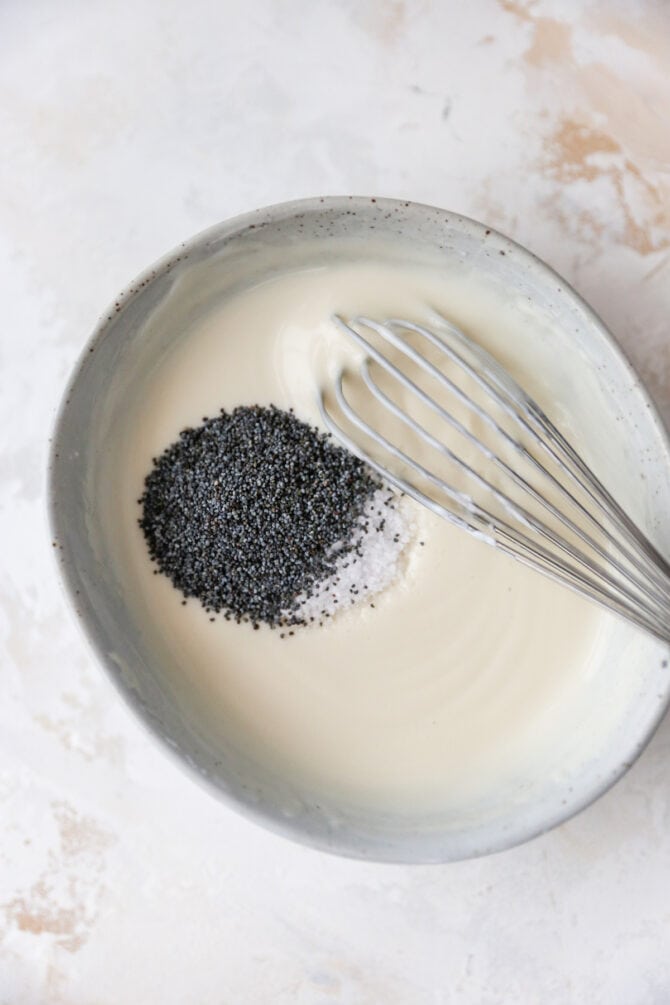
[469, 667]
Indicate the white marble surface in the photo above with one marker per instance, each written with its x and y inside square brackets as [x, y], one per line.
[124, 127]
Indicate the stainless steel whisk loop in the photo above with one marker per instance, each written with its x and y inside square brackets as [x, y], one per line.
[597, 551]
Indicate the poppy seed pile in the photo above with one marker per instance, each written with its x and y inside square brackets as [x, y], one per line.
[262, 518]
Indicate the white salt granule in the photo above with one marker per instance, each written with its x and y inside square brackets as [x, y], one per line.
[360, 577]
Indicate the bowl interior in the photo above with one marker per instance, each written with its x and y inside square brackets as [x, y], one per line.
[236, 254]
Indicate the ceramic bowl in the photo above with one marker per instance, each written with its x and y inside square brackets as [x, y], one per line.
[122, 647]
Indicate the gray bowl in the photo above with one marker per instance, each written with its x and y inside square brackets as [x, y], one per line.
[134, 667]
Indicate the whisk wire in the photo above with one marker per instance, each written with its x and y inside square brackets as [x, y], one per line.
[638, 590]
[386, 331]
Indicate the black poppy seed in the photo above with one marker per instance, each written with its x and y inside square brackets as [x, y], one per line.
[251, 510]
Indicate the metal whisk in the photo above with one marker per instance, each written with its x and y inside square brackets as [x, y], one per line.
[584, 539]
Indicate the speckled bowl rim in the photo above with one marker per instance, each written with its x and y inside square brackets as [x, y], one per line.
[227, 230]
